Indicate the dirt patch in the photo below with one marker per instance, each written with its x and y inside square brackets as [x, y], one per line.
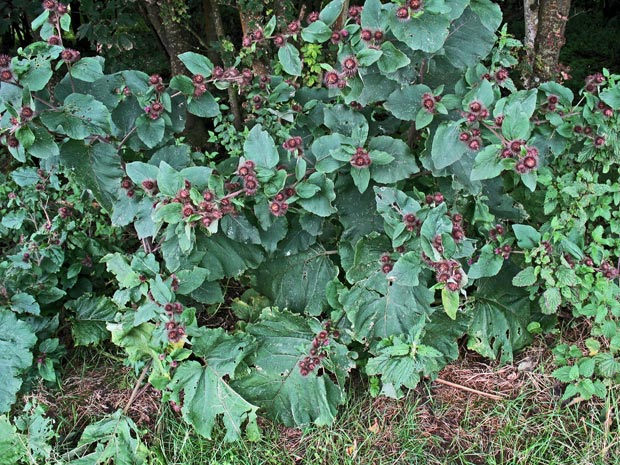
[88, 394]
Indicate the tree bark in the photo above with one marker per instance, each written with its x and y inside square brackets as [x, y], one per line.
[545, 22]
[172, 35]
[176, 40]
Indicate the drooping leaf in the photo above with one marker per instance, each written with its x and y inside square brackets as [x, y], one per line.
[16, 342]
[290, 60]
[80, 116]
[447, 148]
[469, 40]
[116, 438]
[260, 148]
[500, 315]
[297, 282]
[207, 396]
[91, 316]
[404, 103]
[225, 257]
[97, 167]
[275, 382]
[426, 33]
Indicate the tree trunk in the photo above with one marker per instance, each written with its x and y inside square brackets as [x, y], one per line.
[172, 35]
[176, 40]
[545, 22]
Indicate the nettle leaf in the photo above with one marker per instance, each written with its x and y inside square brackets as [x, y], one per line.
[426, 33]
[488, 264]
[405, 103]
[525, 277]
[447, 148]
[116, 438]
[12, 444]
[275, 383]
[402, 362]
[297, 282]
[469, 40]
[500, 315]
[206, 395]
[97, 167]
[91, 316]
[260, 148]
[16, 342]
[550, 301]
[289, 59]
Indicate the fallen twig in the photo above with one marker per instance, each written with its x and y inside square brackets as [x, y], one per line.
[468, 389]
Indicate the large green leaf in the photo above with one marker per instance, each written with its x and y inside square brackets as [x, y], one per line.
[356, 212]
[91, 316]
[97, 167]
[260, 148]
[377, 305]
[447, 148]
[80, 116]
[115, 439]
[12, 444]
[275, 382]
[320, 203]
[500, 314]
[426, 33]
[406, 102]
[469, 40]
[205, 106]
[376, 315]
[289, 59]
[225, 257]
[347, 122]
[403, 165]
[206, 394]
[297, 282]
[16, 341]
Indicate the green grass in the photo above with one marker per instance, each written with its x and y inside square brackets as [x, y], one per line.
[432, 425]
[513, 432]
